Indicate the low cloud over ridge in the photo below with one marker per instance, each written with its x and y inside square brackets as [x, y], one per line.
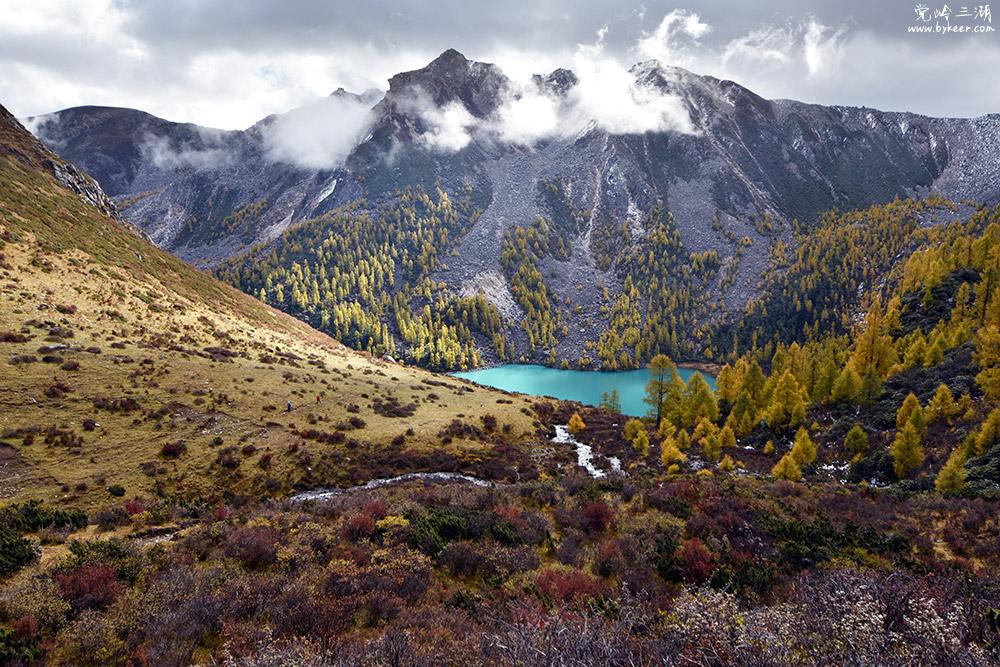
[321, 134]
[603, 95]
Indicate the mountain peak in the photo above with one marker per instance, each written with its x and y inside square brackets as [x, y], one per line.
[559, 81]
[370, 96]
[699, 90]
[451, 77]
[449, 56]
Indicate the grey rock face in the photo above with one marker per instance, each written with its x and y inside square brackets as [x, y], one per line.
[72, 178]
[740, 158]
[167, 174]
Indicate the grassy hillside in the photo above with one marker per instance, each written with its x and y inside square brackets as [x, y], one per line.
[126, 367]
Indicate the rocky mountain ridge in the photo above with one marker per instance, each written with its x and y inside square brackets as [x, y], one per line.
[737, 155]
[66, 173]
[733, 169]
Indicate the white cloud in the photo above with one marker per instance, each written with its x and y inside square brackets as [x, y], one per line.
[450, 126]
[36, 124]
[768, 46]
[236, 89]
[318, 135]
[229, 65]
[99, 25]
[64, 53]
[823, 47]
[530, 117]
[609, 96]
[211, 155]
[670, 41]
[606, 97]
[520, 65]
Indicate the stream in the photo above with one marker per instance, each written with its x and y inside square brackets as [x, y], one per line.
[585, 453]
[584, 458]
[323, 494]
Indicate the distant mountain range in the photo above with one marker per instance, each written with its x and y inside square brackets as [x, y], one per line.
[713, 148]
[732, 168]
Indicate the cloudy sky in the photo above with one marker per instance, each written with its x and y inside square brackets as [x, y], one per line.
[228, 63]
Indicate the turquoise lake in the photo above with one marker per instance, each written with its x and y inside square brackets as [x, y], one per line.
[583, 386]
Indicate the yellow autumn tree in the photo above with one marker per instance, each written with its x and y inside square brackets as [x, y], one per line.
[906, 410]
[951, 478]
[699, 401]
[727, 437]
[847, 386]
[989, 433]
[787, 469]
[942, 406]
[788, 404]
[712, 448]
[670, 453]
[873, 348]
[727, 385]
[987, 356]
[641, 443]
[804, 450]
[632, 428]
[856, 442]
[907, 452]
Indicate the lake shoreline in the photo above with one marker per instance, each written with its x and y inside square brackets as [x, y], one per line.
[703, 367]
[584, 387]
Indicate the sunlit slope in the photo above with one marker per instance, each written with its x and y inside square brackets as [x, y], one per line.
[123, 366]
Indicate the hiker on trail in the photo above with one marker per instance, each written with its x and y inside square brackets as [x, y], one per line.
[288, 408]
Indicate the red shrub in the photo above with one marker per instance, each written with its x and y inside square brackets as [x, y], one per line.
[222, 513]
[377, 607]
[226, 458]
[574, 586]
[357, 526]
[607, 559]
[489, 423]
[90, 587]
[134, 506]
[254, 546]
[173, 449]
[461, 559]
[697, 561]
[598, 515]
[26, 626]
[507, 513]
[376, 509]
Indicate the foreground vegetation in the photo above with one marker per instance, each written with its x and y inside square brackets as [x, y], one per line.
[833, 501]
[704, 571]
